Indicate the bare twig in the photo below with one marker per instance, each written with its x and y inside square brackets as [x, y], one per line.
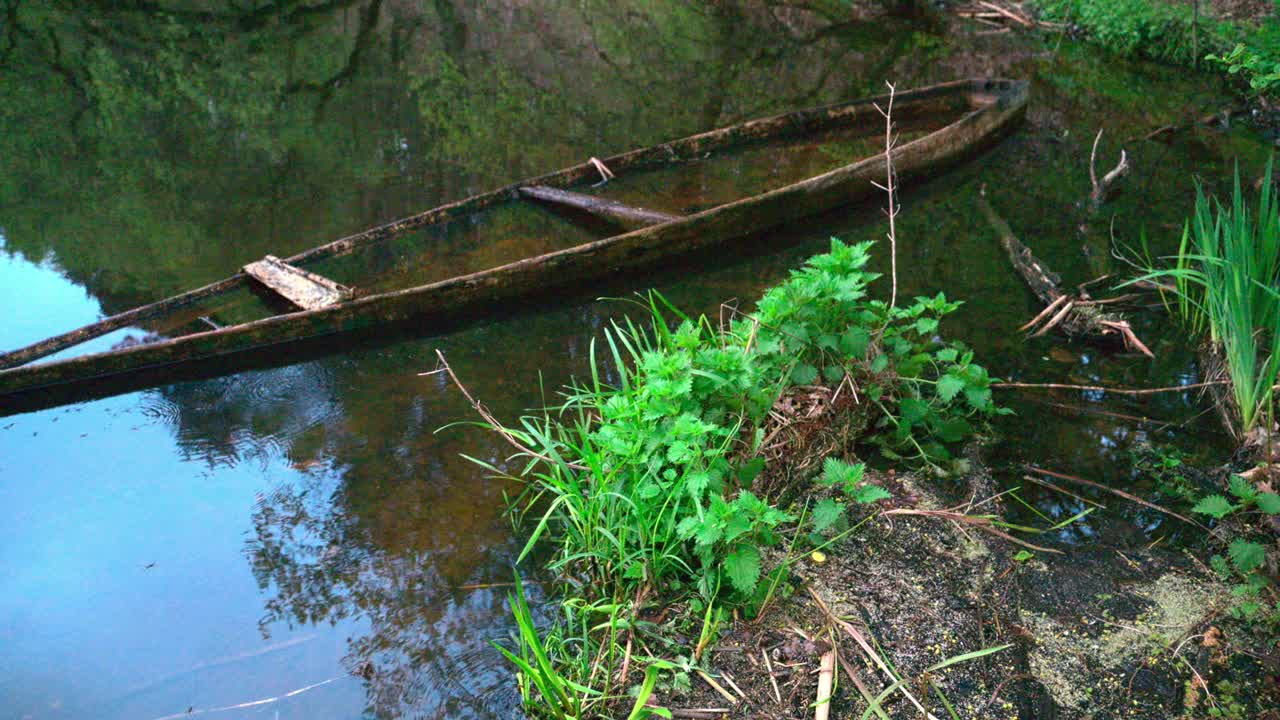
[982, 522]
[773, 679]
[1115, 491]
[488, 417]
[1048, 309]
[1057, 318]
[869, 652]
[1024, 22]
[718, 687]
[729, 679]
[605, 173]
[1101, 188]
[699, 713]
[1114, 391]
[888, 187]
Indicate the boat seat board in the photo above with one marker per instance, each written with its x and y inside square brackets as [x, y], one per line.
[307, 290]
[627, 216]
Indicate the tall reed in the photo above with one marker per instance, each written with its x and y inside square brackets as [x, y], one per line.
[1224, 282]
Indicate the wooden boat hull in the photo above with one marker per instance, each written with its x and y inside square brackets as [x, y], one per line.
[994, 106]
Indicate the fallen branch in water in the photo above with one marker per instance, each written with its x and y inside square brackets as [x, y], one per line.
[1077, 315]
[1114, 391]
[1102, 188]
[1127, 496]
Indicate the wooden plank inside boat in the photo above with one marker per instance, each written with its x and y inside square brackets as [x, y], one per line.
[628, 216]
[307, 290]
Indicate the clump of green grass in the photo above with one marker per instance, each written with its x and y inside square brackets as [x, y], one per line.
[1224, 284]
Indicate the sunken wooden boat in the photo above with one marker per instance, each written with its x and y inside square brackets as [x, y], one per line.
[984, 108]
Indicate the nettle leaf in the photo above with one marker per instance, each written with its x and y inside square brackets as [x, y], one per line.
[1268, 503]
[748, 471]
[854, 342]
[838, 472]
[1219, 565]
[868, 494]
[743, 568]
[697, 483]
[833, 373]
[1241, 488]
[688, 527]
[978, 397]
[947, 355]
[949, 386]
[826, 513]
[708, 534]
[913, 410]
[1247, 556]
[1214, 506]
[804, 374]
[736, 526]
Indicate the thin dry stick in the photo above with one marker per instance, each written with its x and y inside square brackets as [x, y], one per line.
[979, 521]
[826, 676]
[1055, 320]
[1045, 312]
[605, 173]
[1127, 496]
[699, 713]
[773, 679]
[888, 187]
[729, 679]
[1101, 188]
[1099, 388]
[718, 688]
[869, 651]
[1045, 483]
[488, 417]
[1007, 13]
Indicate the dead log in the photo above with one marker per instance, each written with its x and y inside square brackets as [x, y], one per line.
[1075, 315]
[626, 216]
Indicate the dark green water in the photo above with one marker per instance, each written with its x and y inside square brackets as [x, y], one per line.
[209, 544]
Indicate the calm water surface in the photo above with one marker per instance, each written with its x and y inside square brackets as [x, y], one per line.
[305, 536]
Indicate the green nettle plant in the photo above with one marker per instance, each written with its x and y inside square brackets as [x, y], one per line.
[1245, 558]
[642, 478]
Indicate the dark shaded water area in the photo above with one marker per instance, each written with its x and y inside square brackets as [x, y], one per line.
[304, 535]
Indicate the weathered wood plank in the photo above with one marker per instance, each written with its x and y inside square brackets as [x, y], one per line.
[997, 106]
[305, 289]
[626, 216]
